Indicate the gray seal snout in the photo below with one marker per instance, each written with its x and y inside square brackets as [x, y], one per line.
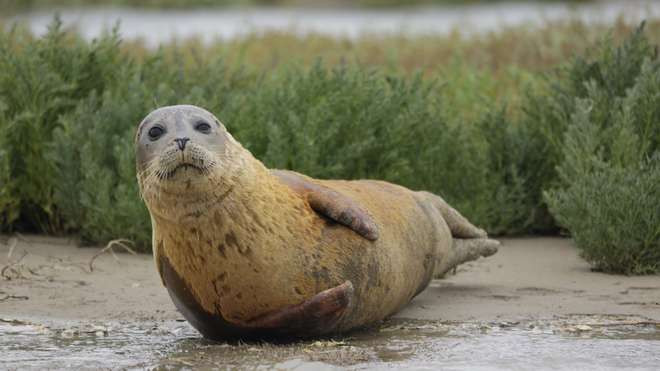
[181, 142]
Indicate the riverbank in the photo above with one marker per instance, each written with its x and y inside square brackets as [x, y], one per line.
[534, 305]
[528, 279]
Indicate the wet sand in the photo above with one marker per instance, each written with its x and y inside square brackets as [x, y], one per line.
[528, 279]
[534, 305]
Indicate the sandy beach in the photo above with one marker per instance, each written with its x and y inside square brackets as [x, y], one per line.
[534, 305]
[529, 278]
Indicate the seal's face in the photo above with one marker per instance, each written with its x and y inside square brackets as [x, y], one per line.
[179, 142]
[183, 160]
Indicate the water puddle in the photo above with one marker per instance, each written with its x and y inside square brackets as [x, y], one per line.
[576, 342]
[160, 26]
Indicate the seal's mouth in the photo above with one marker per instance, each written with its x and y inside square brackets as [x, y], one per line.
[184, 167]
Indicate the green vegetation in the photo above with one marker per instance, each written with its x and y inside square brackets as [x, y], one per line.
[606, 128]
[514, 138]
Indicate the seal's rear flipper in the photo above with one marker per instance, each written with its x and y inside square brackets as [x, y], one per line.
[331, 204]
[459, 226]
[463, 251]
[314, 316]
[469, 242]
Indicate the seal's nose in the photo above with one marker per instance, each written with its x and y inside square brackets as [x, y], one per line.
[181, 142]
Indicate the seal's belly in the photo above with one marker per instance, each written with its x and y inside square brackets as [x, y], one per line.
[236, 278]
[221, 283]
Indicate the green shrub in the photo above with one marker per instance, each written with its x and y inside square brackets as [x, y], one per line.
[41, 80]
[608, 193]
[7, 201]
[350, 123]
[503, 203]
[589, 136]
[346, 122]
[93, 148]
[549, 107]
[96, 187]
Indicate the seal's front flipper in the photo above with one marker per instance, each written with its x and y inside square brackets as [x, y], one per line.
[343, 210]
[314, 316]
[331, 204]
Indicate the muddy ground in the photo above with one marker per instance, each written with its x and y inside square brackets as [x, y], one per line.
[52, 304]
[529, 278]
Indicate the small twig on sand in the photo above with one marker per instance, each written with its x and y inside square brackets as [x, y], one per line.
[32, 271]
[23, 238]
[17, 297]
[12, 244]
[119, 242]
[625, 323]
[10, 265]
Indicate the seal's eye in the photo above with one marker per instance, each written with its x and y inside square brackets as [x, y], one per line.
[203, 127]
[155, 132]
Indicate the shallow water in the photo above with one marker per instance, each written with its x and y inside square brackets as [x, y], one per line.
[158, 26]
[579, 342]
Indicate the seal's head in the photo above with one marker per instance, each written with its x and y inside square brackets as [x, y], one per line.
[182, 151]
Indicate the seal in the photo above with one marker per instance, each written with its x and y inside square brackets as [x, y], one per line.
[247, 252]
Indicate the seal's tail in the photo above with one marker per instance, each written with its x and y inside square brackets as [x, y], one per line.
[463, 251]
[469, 242]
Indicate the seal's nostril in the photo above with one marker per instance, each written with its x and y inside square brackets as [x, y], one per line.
[181, 142]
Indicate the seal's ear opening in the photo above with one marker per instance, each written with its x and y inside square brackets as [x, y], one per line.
[138, 131]
[140, 128]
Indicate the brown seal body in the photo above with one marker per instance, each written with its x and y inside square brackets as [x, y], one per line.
[248, 252]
